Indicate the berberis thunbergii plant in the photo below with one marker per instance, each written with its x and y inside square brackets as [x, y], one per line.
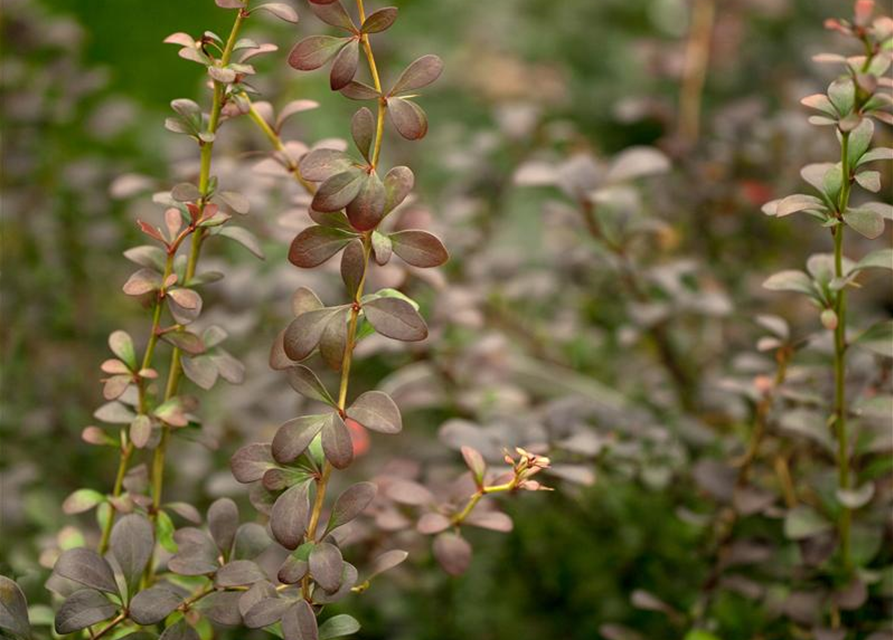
[147, 577]
[858, 97]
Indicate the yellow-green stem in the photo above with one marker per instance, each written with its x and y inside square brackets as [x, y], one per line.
[110, 626]
[204, 180]
[840, 410]
[473, 501]
[843, 458]
[376, 81]
[323, 482]
[127, 446]
[277, 143]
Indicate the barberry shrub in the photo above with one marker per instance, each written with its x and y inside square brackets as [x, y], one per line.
[147, 576]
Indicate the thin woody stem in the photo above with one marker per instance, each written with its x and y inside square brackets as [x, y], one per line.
[473, 501]
[276, 141]
[840, 344]
[322, 483]
[376, 81]
[697, 59]
[207, 149]
[110, 626]
[198, 235]
[127, 445]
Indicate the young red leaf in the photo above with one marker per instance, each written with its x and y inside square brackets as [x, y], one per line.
[475, 462]
[345, 66]
[304, 333]
[336, 443]
[280, 10]
[350, 504]
[353, 266]
[338, 191]
[362, 129]
[359, 91]
[420, 73]
[322, 164]
[398, 183]
[333, 13]
[380, 20]
[333, 341]
[326, 564]
[316, 244]
[299, 621]
[367, 209]
[250, 462]
[313, 52]
[408, 118]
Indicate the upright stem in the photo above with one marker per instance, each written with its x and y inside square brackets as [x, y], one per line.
[697, 58]
[127, 446]
[843, 458]
[323, 482]
[276, 141]
[376, 81]
[204, 181]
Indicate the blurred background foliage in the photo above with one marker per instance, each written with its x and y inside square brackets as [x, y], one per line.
[86, 86]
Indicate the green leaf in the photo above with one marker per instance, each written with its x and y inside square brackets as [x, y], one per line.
[790, 280]
[338, 626]
[164, 531]
[878, 153]
[878, 259]
[82, 500]
[842, 94]
[244, 237]
[832, 182]
[860, 141]
[865, 222]
[804, 522]
[122, 346]
[700, 634]
[798, 202]
[856, 498]
[878, 339]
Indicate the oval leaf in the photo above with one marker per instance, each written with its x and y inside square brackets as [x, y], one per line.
[396, 318]
[376, 410]
[291, 513]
